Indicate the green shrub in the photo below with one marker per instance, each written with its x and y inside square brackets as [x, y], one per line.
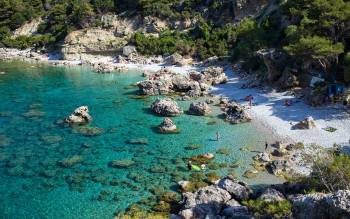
[261, 208]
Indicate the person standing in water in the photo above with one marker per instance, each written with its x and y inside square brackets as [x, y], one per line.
[266, 145]
[217, 136]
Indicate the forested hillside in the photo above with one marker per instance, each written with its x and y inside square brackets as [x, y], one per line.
[312, 32]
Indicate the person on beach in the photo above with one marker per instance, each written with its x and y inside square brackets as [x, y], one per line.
[266, 145]
[217, 136]
[189, 165]
[250, 99]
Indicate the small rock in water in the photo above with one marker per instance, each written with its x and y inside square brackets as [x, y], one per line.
[79, 116]
[34, 113]
[51, 139]
[199, 109]
[250, 173]
[168, 127]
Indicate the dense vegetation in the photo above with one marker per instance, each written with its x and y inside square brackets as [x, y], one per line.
[313, 32]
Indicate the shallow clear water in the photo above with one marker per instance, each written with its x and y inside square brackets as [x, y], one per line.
[35, 185]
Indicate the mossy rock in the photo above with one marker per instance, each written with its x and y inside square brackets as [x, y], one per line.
[88, 131]
[225, 151]
[193, 147]
[194, 186]
[70, 161]
[250, 174]
[258, 166]
[211, 123]
[236, 164]
[211, 177]
[200, 159]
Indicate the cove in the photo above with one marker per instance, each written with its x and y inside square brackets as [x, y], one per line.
[52, 171]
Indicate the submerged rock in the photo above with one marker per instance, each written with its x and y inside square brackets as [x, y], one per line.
[79, 116]
[199, 109]
[235, 114]
[138, 141]
[88, 131]
[51, 139]
[70, 161]
[166, 107]
[121, 163]
[168, 126]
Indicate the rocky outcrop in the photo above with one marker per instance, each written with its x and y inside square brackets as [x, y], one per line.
[238, 189]
[103, 67]
[271, 195]
[29, 28]
[174, 59]
[128, 50]
[167, 127]
[320, 205]
[81, 44]
[166, 107]
[79, 116]
[190, 85]
[199, 109]
[307, 123]
[235, 113]
[207, 202]
[248, 8]
[288, 79]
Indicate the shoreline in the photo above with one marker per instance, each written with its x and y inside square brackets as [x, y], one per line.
[268, 108]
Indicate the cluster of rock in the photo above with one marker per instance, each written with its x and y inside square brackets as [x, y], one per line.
[224, 199]
[166, 107]
[79, 116]
[284, 159]
[106, 67]
[220, 199]
[235, 113]
[194, 84]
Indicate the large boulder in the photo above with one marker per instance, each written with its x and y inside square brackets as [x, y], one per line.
[154, 87]
[235, 113]
[79, 116]
[166, 107]
[307, 123]
[238, 189]
[288, 79]
[207, 202]
[167, 126]
[319, 205]
[278, 167]
[127, 50]
[103, 67]
[199, 109]
[175, 59]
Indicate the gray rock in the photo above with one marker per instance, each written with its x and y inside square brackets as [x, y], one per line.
[215, 75]
[271, 195]
[175, 59]
[154, 87]
[206, 202]
[307, 123]
[309, 206]
[235, 114]
[279, 167]
[339, 204]
[79, 116]
[166, 107]
[235, 210]
[199, 109]
[167, 126]
[238, 189]
[127, 50]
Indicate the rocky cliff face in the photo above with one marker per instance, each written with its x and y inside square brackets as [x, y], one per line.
[93, 41]
[29, 28]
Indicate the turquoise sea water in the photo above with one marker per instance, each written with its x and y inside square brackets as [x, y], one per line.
[34, 184]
